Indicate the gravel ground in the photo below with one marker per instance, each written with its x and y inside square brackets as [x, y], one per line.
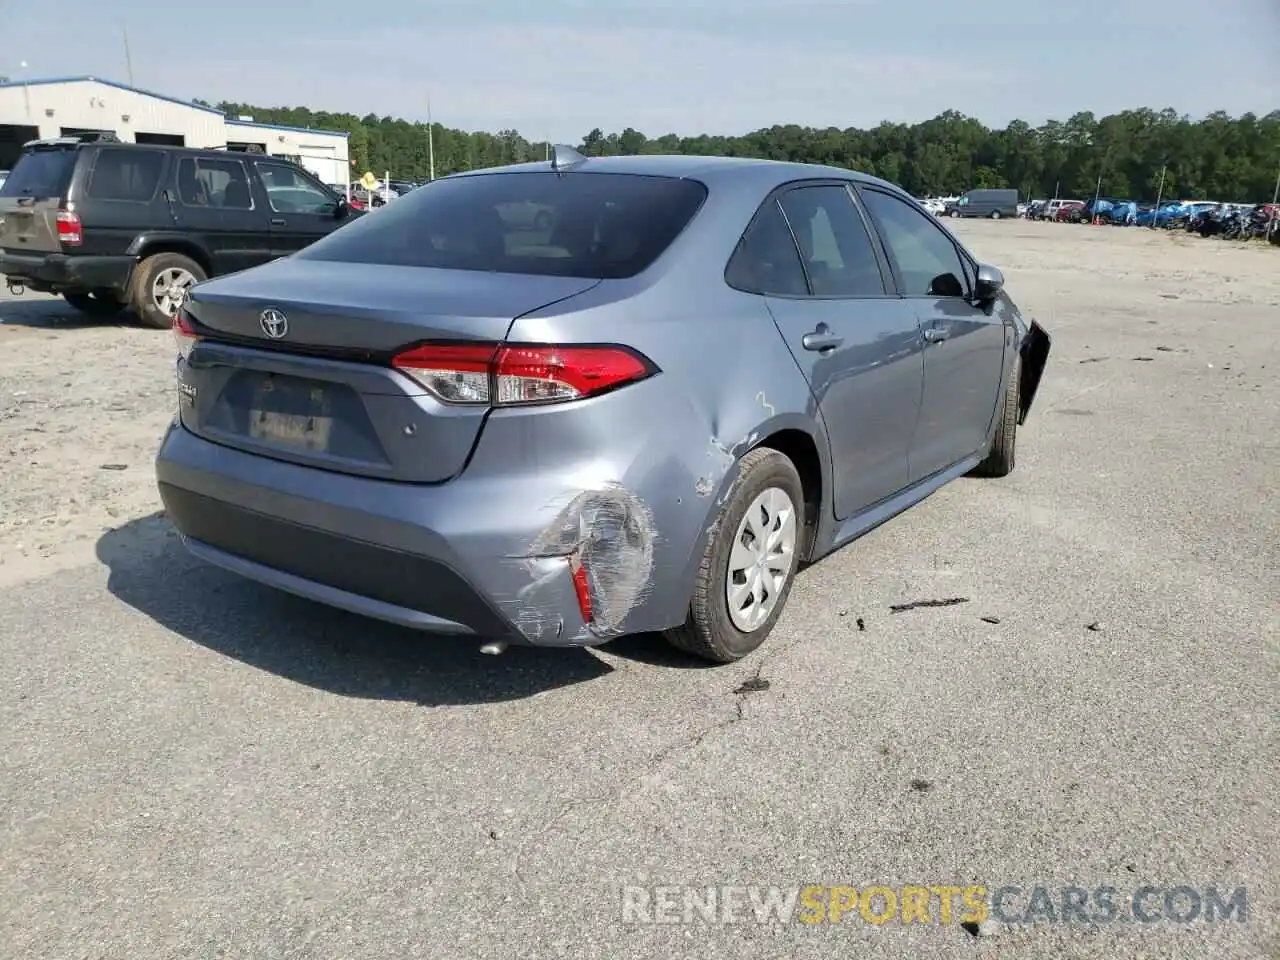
[195, 766]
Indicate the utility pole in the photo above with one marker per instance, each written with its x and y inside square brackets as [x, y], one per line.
[26, 90]
[1275, 198]
[431, 143]
[128, 59]
[1159, 196]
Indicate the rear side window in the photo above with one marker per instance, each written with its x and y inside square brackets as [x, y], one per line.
[767, 260]
[834, 242]
[591, 225]
[132, 175]
[222, 184]
[40, 174]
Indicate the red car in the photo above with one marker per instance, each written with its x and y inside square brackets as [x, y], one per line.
[1066, 211]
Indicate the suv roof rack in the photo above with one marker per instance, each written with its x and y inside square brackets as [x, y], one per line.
[74, 139]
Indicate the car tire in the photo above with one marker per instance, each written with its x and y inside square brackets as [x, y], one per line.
[1000, 460]
[99, 303]
[995, 214]
[712, 632]
[955, 213]
[153, 272]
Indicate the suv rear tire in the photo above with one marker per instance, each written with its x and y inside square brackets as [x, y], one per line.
[99, 303]
[171, 271]
[769, 486]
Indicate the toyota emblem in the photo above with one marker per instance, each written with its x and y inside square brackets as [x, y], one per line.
[274, 323]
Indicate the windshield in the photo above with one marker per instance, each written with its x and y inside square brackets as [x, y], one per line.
[590, 225]
[40, 174]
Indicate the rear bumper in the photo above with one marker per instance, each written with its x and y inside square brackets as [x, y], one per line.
[60, 273]
[454, 558]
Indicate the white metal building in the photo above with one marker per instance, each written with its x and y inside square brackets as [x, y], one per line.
[36, 109]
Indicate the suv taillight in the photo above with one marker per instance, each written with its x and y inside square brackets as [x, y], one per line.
[70, 233]
[502, 375]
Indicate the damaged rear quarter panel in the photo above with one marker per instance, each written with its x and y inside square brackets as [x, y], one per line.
[644, 471]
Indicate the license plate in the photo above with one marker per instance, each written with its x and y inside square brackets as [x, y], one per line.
[293, 416]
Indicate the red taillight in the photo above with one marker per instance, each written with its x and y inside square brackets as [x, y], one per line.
[510, 374]
[581, 587]
[70, 233]
[184, 335]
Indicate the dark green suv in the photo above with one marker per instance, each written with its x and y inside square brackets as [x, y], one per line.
[110, 225]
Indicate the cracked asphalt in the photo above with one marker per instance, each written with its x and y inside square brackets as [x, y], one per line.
[195, 766]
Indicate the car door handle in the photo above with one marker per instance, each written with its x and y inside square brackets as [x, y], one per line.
[936, 334]
[277, 221]
[821, 339]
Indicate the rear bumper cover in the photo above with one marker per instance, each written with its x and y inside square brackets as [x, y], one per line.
[58, 272]
[456, 558]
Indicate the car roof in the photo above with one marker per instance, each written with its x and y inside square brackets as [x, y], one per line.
[707, 169]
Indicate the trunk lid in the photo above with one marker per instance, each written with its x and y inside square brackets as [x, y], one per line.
[323, 392]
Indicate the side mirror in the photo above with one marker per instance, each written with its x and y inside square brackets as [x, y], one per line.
[990, 282]
[341, 209]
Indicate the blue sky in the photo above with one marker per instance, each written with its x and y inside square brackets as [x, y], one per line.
[560, 67]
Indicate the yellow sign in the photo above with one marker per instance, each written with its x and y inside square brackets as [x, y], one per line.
[369, 181]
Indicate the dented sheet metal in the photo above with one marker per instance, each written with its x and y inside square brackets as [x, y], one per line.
[609, 531]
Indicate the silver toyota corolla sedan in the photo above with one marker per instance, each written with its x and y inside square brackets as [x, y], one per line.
[558, 402]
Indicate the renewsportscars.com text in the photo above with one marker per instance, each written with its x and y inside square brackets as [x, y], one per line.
[878, 904]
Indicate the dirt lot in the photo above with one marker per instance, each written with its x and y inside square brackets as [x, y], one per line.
[191, 765]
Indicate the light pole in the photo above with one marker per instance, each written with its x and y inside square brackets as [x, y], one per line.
[1159, 196]
[431, 143]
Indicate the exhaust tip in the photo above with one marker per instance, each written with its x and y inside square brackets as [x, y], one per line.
[493, 649]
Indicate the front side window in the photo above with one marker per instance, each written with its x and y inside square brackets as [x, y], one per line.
[835, 245]
[591, 225]
[767, 260]
[132, 175]
[292, 191]
[928, 263]
[222, 184]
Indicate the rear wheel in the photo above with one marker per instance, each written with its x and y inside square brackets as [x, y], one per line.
[750, 561]
[1000, 461]
[99, 303]
[160, 285]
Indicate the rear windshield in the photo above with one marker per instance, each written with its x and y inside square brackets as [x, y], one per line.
[591, 225]
[40, 173]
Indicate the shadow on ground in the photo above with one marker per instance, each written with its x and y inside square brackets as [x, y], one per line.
[54, 313]
[319, 646]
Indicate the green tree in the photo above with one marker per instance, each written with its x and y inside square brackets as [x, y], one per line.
[1219, 157]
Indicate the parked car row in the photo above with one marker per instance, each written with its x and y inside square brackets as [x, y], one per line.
[1207, 217]
[1233, 221]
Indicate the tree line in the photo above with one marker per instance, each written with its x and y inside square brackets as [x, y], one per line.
[1219, 157]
